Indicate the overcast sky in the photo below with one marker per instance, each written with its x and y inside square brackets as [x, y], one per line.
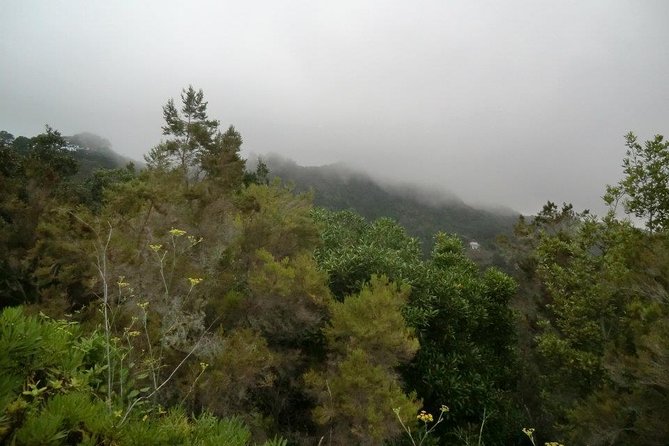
[508, 103]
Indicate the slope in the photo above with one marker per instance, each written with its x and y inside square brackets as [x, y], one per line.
[421, 212]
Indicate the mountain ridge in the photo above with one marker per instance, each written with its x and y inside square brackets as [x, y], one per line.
[422, 211]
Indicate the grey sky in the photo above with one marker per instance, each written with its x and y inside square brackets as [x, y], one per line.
[509, 103]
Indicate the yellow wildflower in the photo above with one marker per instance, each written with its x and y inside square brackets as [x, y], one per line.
[122, 283]
[194, 240]
[425, 417]
[177, 232]
[528, 431]
[194, 281]
[444, 408]
[143, 305]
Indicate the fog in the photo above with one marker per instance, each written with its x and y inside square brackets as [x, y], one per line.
[505, 103]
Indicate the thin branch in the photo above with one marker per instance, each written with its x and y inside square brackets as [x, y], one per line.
[157, 389]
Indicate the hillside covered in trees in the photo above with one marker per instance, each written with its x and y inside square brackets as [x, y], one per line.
[199, 302]
[423, 213]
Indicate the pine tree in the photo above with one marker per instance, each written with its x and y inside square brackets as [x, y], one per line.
[190, 130]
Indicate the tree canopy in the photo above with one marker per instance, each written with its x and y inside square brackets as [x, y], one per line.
[195, 302]
[644, 190]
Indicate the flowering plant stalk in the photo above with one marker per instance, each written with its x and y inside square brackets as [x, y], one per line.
[425, 418]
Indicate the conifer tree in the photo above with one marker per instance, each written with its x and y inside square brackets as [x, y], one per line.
[222, 161]
[358, 390]
[190, 130]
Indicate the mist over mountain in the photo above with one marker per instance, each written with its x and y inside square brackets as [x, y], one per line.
[90, 141]
[95, 152]
[422, 211]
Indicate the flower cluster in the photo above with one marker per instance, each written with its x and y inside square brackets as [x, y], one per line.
[528, 431]
[553, 443]
[444, 408]
[194, 281]
[177, 232]
[122, 283]
[194, 240]
[425, 417]
[156, 247]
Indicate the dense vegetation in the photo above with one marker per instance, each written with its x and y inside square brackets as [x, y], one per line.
[423, 213]
[196, 302]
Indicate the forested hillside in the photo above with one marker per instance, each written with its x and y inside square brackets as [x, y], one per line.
[90, 151]
[421, 212]
[93, 152]
[199, 302]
